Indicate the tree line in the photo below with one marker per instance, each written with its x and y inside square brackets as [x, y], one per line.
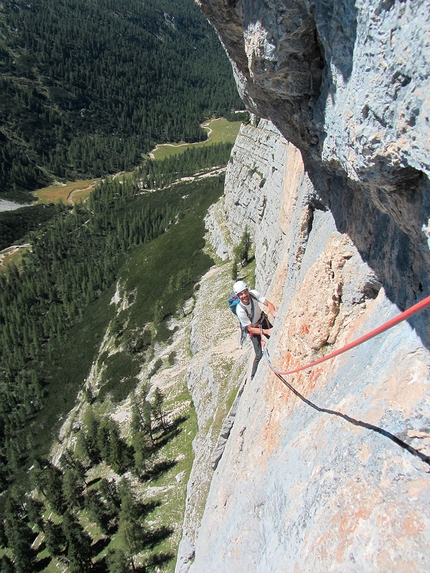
[153, 174]
[87, 87]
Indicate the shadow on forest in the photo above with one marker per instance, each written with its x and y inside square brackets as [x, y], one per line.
[167, 435]
[145, 509]
[170, 432]
[100, 566]
[111, 528]
[153, 538]
[41, 547]
[158, 470]
[93, 481]
[166, 438]
[155, 560]
[42, 564]
[99, 545]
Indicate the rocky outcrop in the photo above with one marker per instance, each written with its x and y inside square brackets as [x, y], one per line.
[328, 469]
[215, 371]
[347, 83]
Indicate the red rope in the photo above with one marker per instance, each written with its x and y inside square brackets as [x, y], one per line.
[389, 324]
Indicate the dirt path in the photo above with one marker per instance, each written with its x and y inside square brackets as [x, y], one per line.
[79, 190]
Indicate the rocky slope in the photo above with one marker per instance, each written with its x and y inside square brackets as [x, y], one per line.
[330, 473]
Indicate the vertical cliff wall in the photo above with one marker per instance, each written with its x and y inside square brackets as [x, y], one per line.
[332, 473]
[347, 83]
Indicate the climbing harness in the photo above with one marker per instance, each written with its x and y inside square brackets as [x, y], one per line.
[389, 324]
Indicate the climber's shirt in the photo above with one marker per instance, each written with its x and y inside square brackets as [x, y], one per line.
[250, 314]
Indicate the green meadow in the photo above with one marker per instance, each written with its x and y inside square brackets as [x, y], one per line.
[219, 131]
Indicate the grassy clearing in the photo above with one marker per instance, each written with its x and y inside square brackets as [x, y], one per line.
[71, 193]
[12, 255]
[219, 130]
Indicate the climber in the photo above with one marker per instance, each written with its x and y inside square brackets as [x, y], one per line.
[252, 318]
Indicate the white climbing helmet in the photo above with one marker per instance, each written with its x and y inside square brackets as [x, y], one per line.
[239, 286]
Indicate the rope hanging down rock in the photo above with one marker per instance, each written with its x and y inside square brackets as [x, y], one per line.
[389, 324]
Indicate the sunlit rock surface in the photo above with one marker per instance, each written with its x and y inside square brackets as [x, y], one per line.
[331, 473]
[348, 84]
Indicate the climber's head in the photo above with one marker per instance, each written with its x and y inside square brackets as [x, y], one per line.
[241, 290]
[239, 286]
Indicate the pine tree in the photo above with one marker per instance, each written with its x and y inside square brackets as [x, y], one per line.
[97, 510]
[234, 270]
[110, 493]
[55, 539]
[35, 509]
[113, 449]
[19, 536]
[49, 480]
[118, 562]
[78, 545]
[88, 440]
[242, 251]
[119, 457]
[141, 422]
[3, 537]
[73, 488]
[157, 406]
[140, 438]
[131, 532]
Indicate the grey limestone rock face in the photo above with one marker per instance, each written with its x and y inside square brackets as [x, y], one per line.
[215, 371]
[252, 193]
[328, 469]
[347, 83]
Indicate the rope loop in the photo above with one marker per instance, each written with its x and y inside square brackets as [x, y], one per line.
[387, 325]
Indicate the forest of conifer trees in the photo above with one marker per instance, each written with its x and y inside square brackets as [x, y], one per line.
[86, 90]
[70, 265]
[63, 498]
[87, 87]
[72, 262]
